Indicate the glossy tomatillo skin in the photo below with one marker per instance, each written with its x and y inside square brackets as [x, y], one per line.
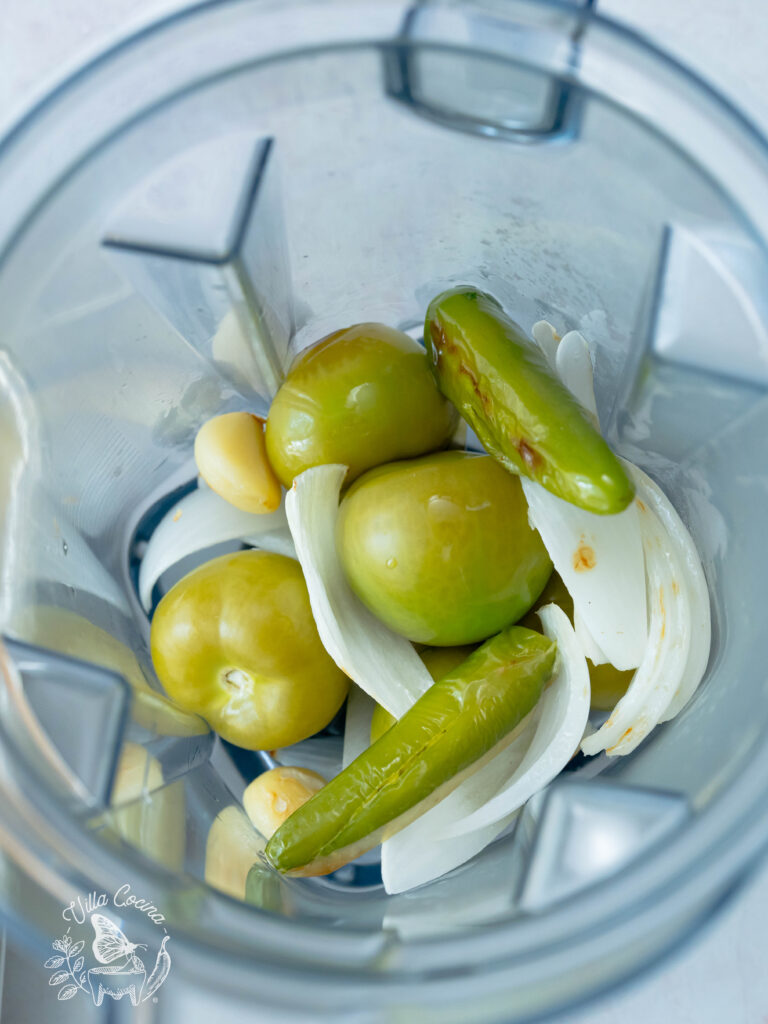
[503, 386]
[235, 641]
[360, 397]
[440, 549]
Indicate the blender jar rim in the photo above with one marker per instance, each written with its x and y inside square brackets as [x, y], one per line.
[722, 841]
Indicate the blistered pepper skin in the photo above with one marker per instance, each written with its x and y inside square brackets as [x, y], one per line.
[463, 717]
[439, 661]
[525, 417]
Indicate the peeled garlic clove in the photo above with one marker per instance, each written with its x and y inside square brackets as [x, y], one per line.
[273, 796]
[232, 459]
[148, 813]
[137, 775]
[231, 850]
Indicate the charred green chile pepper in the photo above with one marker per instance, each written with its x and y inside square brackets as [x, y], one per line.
[525, 417]
[439, 662]
[454, 728]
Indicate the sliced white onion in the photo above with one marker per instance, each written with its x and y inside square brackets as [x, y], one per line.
[200, 520]
[563, 711]
[600, 559]
[574, 365]
[547, 338]
[613, 541]
[357, 724]
[422, 851]
[669, 640]
[698, 593]
[411, 859]
[321, 754]
[382, 663]
[587, 642]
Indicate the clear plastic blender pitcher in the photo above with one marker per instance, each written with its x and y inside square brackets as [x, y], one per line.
[180, 217]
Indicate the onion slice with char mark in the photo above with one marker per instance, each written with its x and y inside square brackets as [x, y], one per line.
[382, 663]
[663, 665]
[562, 719]
[200, 520]
[600, 559]
[694, 581]
[574, 366]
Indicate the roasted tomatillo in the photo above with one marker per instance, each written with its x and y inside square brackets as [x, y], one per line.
[360, 397]
[235, 641]
[440, 549]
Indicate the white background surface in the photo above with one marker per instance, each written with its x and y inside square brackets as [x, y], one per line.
[722, 977]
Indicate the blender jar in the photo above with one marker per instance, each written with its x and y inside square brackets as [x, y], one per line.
[178, 219]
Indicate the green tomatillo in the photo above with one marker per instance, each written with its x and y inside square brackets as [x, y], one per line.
[235, 641]
[360, 397]
[440, 549]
